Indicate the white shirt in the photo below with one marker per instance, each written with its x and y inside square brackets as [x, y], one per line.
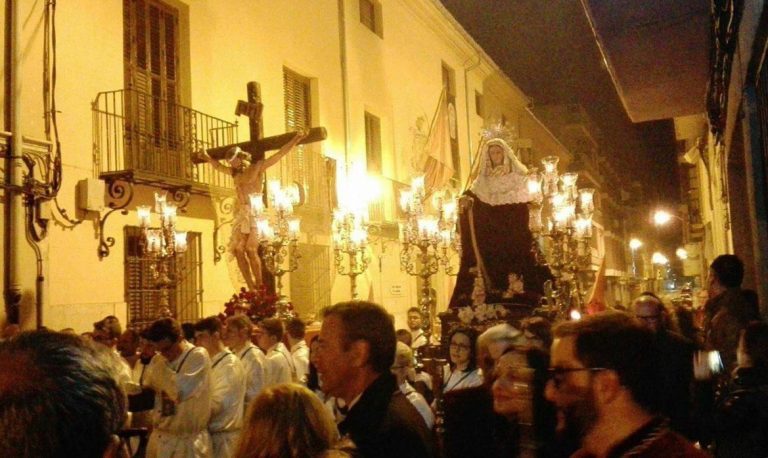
[279, 368]
[227, 392]
[254, 364]
[457, 380]
[418, 339]
[187, 382]
[300, 354]
[419, 402]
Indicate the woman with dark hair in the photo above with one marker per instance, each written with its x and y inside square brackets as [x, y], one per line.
[462, 371]
[741, 412]
[313, 381]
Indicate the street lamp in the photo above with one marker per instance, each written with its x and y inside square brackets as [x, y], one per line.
[682, 254]
[662, 217]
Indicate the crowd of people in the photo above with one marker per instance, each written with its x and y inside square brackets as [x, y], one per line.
[612, 384]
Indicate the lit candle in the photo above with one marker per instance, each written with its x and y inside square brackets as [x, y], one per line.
[405, 199]
[257, 203]
[550, 164]
[169, 214]
[586, 198]
[144, 213]
[449, 211]
[153, 241]
[262, 224]
[293, 227]
[159, 202]
[180, 240]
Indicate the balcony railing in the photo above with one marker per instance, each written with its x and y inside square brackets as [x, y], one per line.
[155, 139]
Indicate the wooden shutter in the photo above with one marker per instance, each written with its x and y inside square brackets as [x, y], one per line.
[373, 143]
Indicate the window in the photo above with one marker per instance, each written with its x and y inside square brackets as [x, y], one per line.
[373, 143]
[151, 62]
[142, 287]
[449, 85]
[311, 282]
[479, 108]
[370, 16]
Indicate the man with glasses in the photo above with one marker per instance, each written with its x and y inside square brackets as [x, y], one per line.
[604, 384]
[675, 354]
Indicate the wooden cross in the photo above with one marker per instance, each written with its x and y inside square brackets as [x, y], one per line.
[257, 146]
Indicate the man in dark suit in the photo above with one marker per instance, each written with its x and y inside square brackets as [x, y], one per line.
[357, 348]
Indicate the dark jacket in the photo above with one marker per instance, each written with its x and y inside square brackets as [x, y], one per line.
[726, 315]
[653, 440]
[676, 360]
[741, 416]
[383, 423]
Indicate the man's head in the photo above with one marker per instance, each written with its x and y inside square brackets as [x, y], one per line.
[726, 271]
[271, 333]
[404, 336]
[414, 319]
[58, 398]
[107, 331]
[237, 331]
[208, 334]
[601, 365]
[296, 330]
[403, 364]
[357, 344]
[128, 343]
[165, 334]
[493, 342]
[650, 311]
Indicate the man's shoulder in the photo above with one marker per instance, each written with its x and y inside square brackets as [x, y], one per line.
[672, 444]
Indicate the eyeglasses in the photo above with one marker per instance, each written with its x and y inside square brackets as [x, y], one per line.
[557, 374]
[458, 346]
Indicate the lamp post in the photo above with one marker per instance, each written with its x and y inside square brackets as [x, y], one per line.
[659, 260]
[160, 244]
[634, 245]
[350, 238]
[560, 218]
[278, 236]
[428, 241]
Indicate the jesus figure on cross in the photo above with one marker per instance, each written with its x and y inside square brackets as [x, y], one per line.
[248, 178]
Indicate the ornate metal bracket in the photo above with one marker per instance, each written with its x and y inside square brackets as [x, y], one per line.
[120, 190]
[226, 206]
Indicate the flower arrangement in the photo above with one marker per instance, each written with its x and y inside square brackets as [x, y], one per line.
[258, 305]
[481, 313]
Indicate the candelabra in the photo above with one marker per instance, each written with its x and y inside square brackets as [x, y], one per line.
[350, 238]
[429, 242]
[160, 244]
[561, 233]
[278, 236]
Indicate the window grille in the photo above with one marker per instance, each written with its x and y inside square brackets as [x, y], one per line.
[311, 282]
[373, 143]
[142, 292]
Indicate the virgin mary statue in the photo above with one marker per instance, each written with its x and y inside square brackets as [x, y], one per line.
[497, 264]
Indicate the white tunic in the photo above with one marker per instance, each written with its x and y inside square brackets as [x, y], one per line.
[419, 402]
[186, 381]
[300, 354]
[279, 365]
[227, 400]
[254, 364]
[418, 339]
[457, 380]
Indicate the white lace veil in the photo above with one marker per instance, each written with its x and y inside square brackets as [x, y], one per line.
[504, 183]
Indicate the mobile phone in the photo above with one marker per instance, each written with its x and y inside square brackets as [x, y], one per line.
[715, 362]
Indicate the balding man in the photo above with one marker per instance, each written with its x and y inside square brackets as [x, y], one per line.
[675, 359]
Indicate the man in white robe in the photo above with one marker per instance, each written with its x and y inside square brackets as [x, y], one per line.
[295, 331]
[280, 368]
[180, 375]
[227, 388]
[237, 336]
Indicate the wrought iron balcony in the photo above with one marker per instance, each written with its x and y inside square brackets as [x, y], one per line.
[153, 140]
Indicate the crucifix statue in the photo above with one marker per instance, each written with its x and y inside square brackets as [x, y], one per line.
[247, 164]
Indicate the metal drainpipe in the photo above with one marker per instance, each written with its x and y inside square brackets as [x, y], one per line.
[14, 211]
[344, 79]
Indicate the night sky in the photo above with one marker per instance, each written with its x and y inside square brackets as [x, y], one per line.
[547, 48]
